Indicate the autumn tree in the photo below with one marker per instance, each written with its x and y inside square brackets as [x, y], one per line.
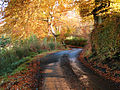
[25, 17]
[97, 8]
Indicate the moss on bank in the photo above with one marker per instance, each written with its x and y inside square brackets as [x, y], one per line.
[106, 40]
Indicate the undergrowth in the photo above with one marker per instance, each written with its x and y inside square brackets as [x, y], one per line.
[21, 51]
[76, 41]
[106, 42]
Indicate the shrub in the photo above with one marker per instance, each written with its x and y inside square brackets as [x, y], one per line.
[51, 46]
[4, 41]
[76, 41]
[11, 58]
[105, 40]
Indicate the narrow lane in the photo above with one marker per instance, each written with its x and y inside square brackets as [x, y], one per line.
[87, 77]
[71, 77]
[54, 78]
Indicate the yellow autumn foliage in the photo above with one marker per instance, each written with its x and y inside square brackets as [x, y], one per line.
[25, 17]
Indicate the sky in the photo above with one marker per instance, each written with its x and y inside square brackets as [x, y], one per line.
[3, 5]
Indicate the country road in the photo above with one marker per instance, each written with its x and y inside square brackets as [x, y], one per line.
[62, 71]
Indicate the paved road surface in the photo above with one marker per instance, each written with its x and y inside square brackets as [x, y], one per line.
[71, 77]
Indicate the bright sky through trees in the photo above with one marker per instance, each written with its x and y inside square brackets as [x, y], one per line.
[3, 5]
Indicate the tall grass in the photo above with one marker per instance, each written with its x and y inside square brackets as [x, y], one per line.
[23, 50]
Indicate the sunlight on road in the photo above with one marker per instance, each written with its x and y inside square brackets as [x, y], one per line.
[51, 64]
[85, 80]
[73, 61]
[48, 71]
[54, 78]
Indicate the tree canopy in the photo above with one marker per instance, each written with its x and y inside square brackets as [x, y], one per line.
[41, 17]
[46, 17]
